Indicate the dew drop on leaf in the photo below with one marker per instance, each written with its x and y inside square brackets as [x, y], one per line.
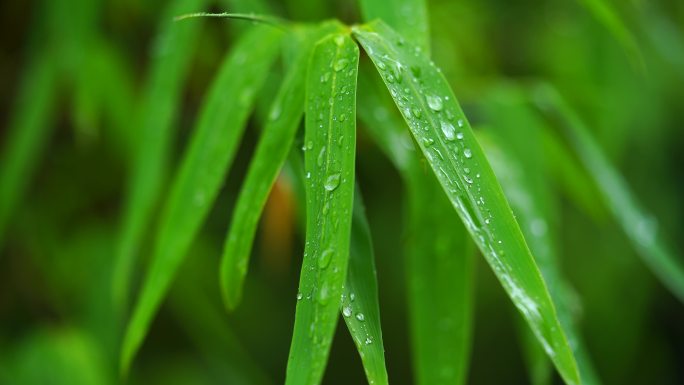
[448, 130]
[434, 102]
[324, 259]
[340, 64]
[332, 182]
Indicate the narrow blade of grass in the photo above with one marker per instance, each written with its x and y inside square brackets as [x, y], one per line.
[640, 226]
[329, 162]
[276, 142]
[28, 130]
[203, 168]
[155, 122]
[360, 304]
[410, 17]
[443, 134]
[439, 256]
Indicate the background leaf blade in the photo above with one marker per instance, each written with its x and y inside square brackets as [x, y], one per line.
[161, 96]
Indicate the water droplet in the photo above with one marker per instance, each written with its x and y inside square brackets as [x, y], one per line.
[434, 102]
[428, 141]
[459, 136]
[460, 122]
[340, 64]
[416, 112]
[390, 78]
[324, 259]
[368, 341]
[332, 182]
[325, 77]
[299, 296]
[347, 311]
[468, 154]
[360, 317]
[308, 175]
[352, 297]
[309, 145]
[448, 130]
[321, 156]
[323, 294]
[382, 66]
[339, 40]
[275, 112]
[415, 70]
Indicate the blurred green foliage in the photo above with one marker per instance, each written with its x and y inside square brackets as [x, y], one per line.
[75, 74]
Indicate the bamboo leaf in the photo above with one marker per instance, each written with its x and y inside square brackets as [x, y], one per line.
[639, 225]
[208, 156]
[28, 131]
[410, 17]
[329, 161]
[444, 136]
[523, 174]
[274, 146]
[361, 282]
[439, 256]
[360, 304]
[161, 96]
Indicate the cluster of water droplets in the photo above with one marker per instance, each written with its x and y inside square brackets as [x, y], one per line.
[358, 326]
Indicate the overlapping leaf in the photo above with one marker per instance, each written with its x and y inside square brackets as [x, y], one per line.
[444, 136]
[439, 256]
[276, 142]
[210, 152]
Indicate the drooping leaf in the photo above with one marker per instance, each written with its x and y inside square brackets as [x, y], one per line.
[443, 134]
[439, 255]
[410, 17]
[640, 226]
[28, 131]
[155, 122]
[516, 153]
[360, 304]
[329, 162]
[276, 142]
[202, 170]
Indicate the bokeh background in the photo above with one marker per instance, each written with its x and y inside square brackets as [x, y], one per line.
[57, 324]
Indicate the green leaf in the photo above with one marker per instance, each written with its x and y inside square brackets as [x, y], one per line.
[410, 17]
[439, 255]
[640, 226]
[27, 133]
[360, 304]
[159, 108]
[523, 172]
[329, 162]
[203, 168]
[274, 146]
[444, 136]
